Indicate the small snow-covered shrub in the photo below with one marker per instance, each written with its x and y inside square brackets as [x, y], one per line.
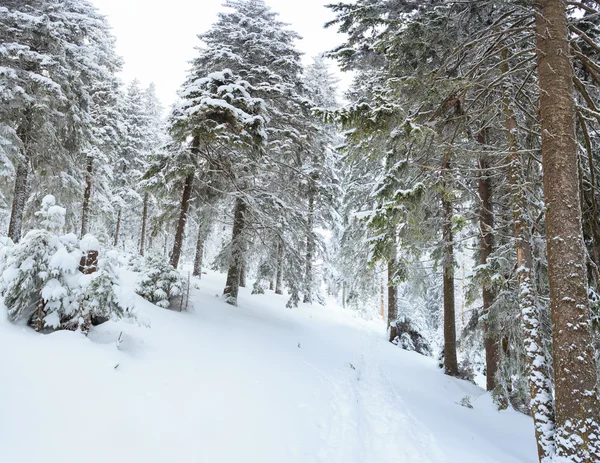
[100, 300]
[466, 371]
[42, 281]
[158, 281]
[408, 338]
[258, 287]
[40, 284]
[135, 262]
[466, 402]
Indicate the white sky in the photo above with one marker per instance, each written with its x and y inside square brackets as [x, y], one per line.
[157, 39]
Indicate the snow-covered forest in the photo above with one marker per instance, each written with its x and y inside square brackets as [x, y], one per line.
[271, 267]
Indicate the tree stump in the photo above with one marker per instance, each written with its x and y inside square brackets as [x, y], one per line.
[89, 262]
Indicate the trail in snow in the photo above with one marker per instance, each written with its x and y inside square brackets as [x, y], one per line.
[256, 383]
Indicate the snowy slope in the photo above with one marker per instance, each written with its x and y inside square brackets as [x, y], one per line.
[256, 383]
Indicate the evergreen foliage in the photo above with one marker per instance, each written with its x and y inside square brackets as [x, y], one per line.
[158, 282]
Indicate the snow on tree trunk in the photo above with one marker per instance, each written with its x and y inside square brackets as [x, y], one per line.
[540, 383]
[486, 247]
[576, 394]
[87, 195]
[450, 359]
[232, 285]
[144, 224]
[183, 213]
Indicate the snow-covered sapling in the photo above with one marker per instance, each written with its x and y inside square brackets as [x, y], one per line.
[100, 296]
[39, 277]
[158, 281]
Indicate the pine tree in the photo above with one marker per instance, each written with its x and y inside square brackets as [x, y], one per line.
[158, 282]
[225, 121]
[155, 144]
[576, 383]
[57, 52]
[132, 160]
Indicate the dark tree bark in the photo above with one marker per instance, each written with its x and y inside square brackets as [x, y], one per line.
[540, 382]
[87, 195]
[243, 275]
[237, 252]
[185, 206]
[144, 224]
[576, 394]
[199, 252]
[310, 246]
[382, 299]
[88, 263]
[486, 247]
[392, 302]
[20, 193]
[450, 359]
[19, 199]
[279, 269]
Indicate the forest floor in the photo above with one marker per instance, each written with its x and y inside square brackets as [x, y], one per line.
[257, 383]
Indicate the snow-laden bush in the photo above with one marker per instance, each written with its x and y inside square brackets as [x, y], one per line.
[39, 275]
[135, 262]
[100, 292]
[41, 279]
[158, 282]
[408, 338]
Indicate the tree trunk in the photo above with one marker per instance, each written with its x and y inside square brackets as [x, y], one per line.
[19, 200]
[20, 193]
[486, 247]
[117, 228]
[232, 285]
[279, 269]
[450, 359]
[576, 394]
[310, 246]
[144, 224]
[199, 252]
[185, 206]
[382, 298]
[87, 195]
[243, 275]
[392, 291]
[540, 383]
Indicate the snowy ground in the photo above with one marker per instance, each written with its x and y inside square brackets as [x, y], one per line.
[256, 383]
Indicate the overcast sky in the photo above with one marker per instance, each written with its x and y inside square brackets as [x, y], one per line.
[158, 42]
